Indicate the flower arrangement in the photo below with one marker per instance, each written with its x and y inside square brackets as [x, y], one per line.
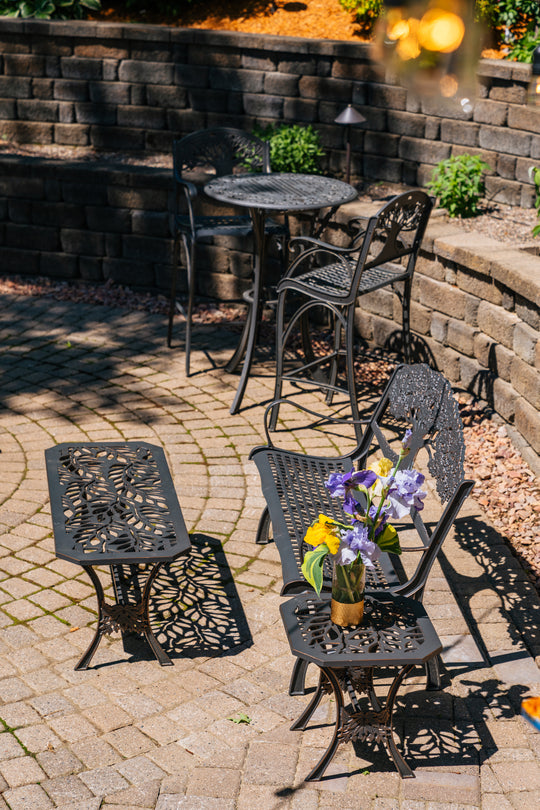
[386, 493]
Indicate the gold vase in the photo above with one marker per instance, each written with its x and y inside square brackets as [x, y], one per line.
[348, 586]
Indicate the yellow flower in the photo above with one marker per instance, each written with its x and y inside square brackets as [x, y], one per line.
[323, 532]
[382, 467]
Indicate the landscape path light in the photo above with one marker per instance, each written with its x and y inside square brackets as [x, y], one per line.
[350, 117]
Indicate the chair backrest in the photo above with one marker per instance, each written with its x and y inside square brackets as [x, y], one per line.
[394, 232]
[417, 398]
[221, 150]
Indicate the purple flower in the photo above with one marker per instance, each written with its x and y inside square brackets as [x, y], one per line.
[406, 441]
[340, 484]
[345, 555]
[405, 494]
[357, 540]
[383, 516]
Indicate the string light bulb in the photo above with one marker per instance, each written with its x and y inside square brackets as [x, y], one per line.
[431, 46]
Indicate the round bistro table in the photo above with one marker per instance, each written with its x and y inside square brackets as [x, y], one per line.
[261, 194]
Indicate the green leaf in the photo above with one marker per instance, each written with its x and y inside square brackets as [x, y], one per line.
[312, 567]
[388, 540]
[240, 718]
[95, 5]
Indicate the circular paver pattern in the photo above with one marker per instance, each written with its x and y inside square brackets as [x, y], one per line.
[128, 733]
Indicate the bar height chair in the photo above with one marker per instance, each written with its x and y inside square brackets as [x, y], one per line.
[332, 278]
[197, 158]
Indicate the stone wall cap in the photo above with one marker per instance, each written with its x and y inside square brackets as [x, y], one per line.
[516, 269]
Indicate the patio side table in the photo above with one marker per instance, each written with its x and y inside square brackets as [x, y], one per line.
[114, 504]
[261, 194]
[395, 632]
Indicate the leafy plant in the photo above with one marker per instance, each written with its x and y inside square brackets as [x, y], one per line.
[367, 12]
[534, 172]
[241, 718]
[458, 182]
[293, 148]
[48, 9]
[522, 49]
[509, 17]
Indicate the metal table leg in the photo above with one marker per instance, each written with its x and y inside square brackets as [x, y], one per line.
[252, 323]
[372, 725]
[128, 617]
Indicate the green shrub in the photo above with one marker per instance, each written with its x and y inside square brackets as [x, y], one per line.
[522, 50]
[509, 18]
[459, 184]
[48, 9]
[367, 12]
[293, 148]
[534, 171]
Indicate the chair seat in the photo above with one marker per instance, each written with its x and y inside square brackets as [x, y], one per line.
[207, 226]
[335, 279]
[293, 486]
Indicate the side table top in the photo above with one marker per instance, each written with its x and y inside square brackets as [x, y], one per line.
[281, 191]
[395, 631]
[115, 503]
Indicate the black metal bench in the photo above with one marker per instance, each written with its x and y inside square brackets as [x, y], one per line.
[416, 397]
[115, 504]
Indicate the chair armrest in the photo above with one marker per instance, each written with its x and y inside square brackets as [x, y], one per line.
[320, 417]
[319, 243]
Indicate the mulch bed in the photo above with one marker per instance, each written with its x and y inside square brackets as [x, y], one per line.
[506, 487]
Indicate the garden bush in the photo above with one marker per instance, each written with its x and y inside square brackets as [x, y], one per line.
[367, 12]
[293, 148]
[48, 9]
[458, 183]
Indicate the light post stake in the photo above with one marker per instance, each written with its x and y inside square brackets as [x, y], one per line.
[348, 118]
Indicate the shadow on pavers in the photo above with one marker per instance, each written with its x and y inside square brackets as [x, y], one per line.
[503, 575]
[196, 606]
[195, 609]
[70, 348]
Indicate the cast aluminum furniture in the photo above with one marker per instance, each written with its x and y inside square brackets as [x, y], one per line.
[395, 632]
[415, 397]
[261, 194]
[198, 157]
[331, 278]
[114, 504]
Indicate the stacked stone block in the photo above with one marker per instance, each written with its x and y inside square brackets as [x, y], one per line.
[475, 315]
[135, 87]
[95, 222]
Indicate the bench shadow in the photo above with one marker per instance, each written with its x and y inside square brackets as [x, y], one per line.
[195, 609]
[503, 575]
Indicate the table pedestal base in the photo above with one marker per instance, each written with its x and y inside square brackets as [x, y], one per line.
[126, 616]
[373, 725]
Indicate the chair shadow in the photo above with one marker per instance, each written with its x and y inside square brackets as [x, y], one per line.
[503, 573]
[195, 609]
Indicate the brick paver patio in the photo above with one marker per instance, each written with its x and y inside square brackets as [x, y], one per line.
[130, 734]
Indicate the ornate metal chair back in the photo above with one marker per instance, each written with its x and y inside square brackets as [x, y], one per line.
[394, 232]
[223, 150]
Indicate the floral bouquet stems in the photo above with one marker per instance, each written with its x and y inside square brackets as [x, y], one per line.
[371, 497]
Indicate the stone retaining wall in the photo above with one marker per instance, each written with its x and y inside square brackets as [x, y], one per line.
[475, 315]
[133, 87]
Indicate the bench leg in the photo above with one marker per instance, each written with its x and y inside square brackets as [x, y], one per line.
[128, 617]
[88, 655]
